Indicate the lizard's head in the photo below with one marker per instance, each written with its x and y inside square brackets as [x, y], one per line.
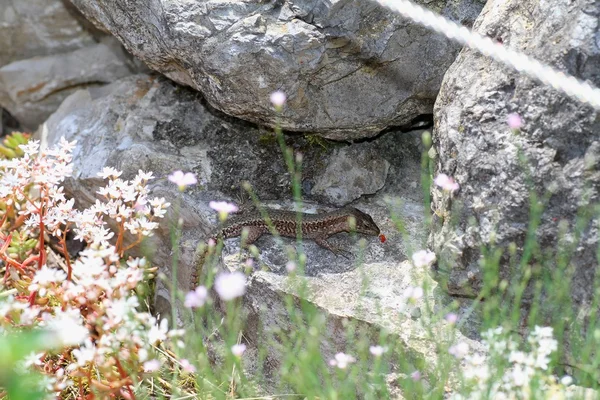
[364, 222]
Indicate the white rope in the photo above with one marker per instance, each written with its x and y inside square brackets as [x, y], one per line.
[567, 84]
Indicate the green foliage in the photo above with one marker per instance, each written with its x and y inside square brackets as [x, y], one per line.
[10, 145]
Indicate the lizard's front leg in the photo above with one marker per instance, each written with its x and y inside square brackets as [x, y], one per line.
[322, 241]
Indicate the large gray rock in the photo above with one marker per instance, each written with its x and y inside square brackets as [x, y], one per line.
[351, 173]
[556, 153]
[164, 127]
[149, 123]
[349, 69]
[31, 28]
[32, 89]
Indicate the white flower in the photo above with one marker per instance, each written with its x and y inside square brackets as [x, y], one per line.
[377, 351]
[566, 380]
[158, 333]
[278, 98]
[230, 285]
[45, 278]
[459, 350]
[238, 349]
[423, 258]
[183, 179]
[446, 183]
[33, 359]
[67, 328]
[196, 298]
[85, 353]
[109, 172]
[413, 293]
[341, 360]
[151, 366]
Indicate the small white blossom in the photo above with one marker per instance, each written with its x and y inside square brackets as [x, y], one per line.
[413, 293]
[182, 180]
[342, 360]
[459, 350]
[151, 366]
[196, 298]
[446, 183]
[278, 98]
[423, 258]
[238, 349]
[109, 172]
[377, 351]
[230, 285]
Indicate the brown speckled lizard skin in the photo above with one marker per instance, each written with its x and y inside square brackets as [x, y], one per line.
[318, 227]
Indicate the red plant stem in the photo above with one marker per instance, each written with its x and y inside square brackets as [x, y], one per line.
[63, 242]
[119, 244]
[89, 376]
[42, 247]
[123, 376]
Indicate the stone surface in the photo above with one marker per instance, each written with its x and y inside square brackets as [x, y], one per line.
[351, 173]
[32, 89]
[31, 28]
[372, 298]
[349, 69]
[164, 127]
[149, 123]
[559, 142]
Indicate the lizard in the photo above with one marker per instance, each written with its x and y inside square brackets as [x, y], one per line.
[317, 227]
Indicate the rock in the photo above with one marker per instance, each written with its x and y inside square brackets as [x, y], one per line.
[31, 28]
[559, 141]
[349, 69]
[370, 299]
[149, 123]
[33, 89]
[164, 127]
[351, 173]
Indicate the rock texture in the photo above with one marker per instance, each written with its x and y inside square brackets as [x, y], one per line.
[351, 173]
[149, 123]
[164, 127]
[32, 89]
[349, 69]
[31, 28]
[556, 153]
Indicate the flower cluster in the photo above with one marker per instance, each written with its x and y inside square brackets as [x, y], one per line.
[489, 378]
[98, 338]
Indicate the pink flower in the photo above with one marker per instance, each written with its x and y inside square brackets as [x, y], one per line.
[196, 298]
[230, 285]
[187, 366]
[183, 179]
[152, 366]
[223, 207]
[278, 99]
[451, 318]
[514, 121]
[423, 258]
[416, 376]
[447, 183]
[290, 266]
[238, 349]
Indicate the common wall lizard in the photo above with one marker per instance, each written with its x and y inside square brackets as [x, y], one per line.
[318, 227]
